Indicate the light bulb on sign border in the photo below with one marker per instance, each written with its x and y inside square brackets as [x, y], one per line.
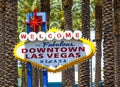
[50, 36]
[67, 34]
[77, 34]
[59, 37]
[32, 36]
[23, 36]
[41, 36]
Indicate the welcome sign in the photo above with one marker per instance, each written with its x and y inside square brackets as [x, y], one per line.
[54, 55]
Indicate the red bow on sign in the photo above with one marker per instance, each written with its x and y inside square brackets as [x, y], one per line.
[35, 22]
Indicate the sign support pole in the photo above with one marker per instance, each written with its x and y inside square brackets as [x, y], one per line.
[29, 72]
[45, 78]
[29, 66]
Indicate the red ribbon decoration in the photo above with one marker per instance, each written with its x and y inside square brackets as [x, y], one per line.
[35, 22]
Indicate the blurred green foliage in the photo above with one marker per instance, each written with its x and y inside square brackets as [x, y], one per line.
[19, 72]
[56, 13]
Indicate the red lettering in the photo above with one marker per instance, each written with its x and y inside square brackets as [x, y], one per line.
[56, 55]
[68, 35]
[63, 55]
[72, 49]
[32, 36]
[63, 49]
[49, 55]
[59, 35]
[81, 48]
[71, 55]
[26, 56]
[49, 49]
[41, 50]
[77, 34]
[56, 49]
[40, 36]
[24, 50]
[78, 55]
[50, 35]
[23, 36]
[32, 50]
[40, 56]
[34, 56]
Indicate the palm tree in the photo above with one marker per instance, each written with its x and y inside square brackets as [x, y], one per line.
[24, 75]
[68, 76]
[108, 44]
[117, 41]
[98, 38]
[2, 43]
[83, 67]
[45, 7]
[40, 77]
[23, 8]
[35, 77]
[10, 40]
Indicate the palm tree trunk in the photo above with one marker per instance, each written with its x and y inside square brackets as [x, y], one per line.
[83, 67]
[2, 32]
[98, 38]
[35, 77]
[68, 76]
[40, 72]
[45, 7]
[10, 28]
[108, 43]
[24, 75]
[117, 41]
[117, 61]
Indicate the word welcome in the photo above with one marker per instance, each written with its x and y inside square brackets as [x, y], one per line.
[67, 35]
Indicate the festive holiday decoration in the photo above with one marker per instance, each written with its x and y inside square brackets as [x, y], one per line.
[35, 22]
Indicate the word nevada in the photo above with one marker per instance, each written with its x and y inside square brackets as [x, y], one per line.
[67, 35]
